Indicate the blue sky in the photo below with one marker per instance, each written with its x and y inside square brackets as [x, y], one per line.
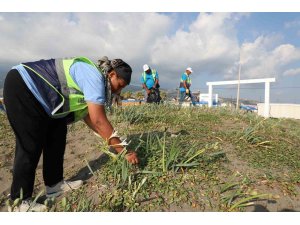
[208, 42]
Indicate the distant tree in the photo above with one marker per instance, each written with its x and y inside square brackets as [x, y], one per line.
[139, 95]
[126, 95]
[116, 100]
[163, 95]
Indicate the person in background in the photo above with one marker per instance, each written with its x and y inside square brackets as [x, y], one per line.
[184, 86]
[116, 100]
[150, 82]
[41, 98]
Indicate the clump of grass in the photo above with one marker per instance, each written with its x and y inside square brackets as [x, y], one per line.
[251, 136]
[77, 201]
[12, 205]
[129, 114]
[165, 156]
[267, 143]
[174, 158]
[236, 196]
[16, 203]
[126, 187]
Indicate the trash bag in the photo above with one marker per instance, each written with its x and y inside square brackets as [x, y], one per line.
[154, 96]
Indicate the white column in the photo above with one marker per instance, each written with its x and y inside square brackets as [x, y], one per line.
[209, 95]
[238, 87]
[267, 100]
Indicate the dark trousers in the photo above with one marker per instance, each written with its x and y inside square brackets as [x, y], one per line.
[183, 95]
[35, 133]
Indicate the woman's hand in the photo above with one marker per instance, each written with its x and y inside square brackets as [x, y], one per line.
[131, 157]
[97, 120]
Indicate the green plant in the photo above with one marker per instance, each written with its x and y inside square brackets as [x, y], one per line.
[77, 201]
[18, 201]
[235, 197]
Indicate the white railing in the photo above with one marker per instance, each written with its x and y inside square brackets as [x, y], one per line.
[267, 82]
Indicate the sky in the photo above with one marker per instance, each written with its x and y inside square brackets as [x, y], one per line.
[266, 44]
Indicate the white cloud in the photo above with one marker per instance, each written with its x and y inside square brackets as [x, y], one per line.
[292, 24]
[266, 58]
[33, 36]
[210, 45]
[43, 35]
[292, 72]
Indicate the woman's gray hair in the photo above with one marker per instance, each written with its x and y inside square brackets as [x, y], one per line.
[104, 65]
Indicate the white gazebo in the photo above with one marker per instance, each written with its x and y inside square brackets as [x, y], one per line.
[267, 82]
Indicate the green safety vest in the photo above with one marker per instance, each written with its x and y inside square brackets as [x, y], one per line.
[153, 72]
[71, 97]
[188, 82]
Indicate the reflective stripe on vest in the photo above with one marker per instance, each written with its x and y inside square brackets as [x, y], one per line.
[71, 97]
[188, 81]
[69, 88]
